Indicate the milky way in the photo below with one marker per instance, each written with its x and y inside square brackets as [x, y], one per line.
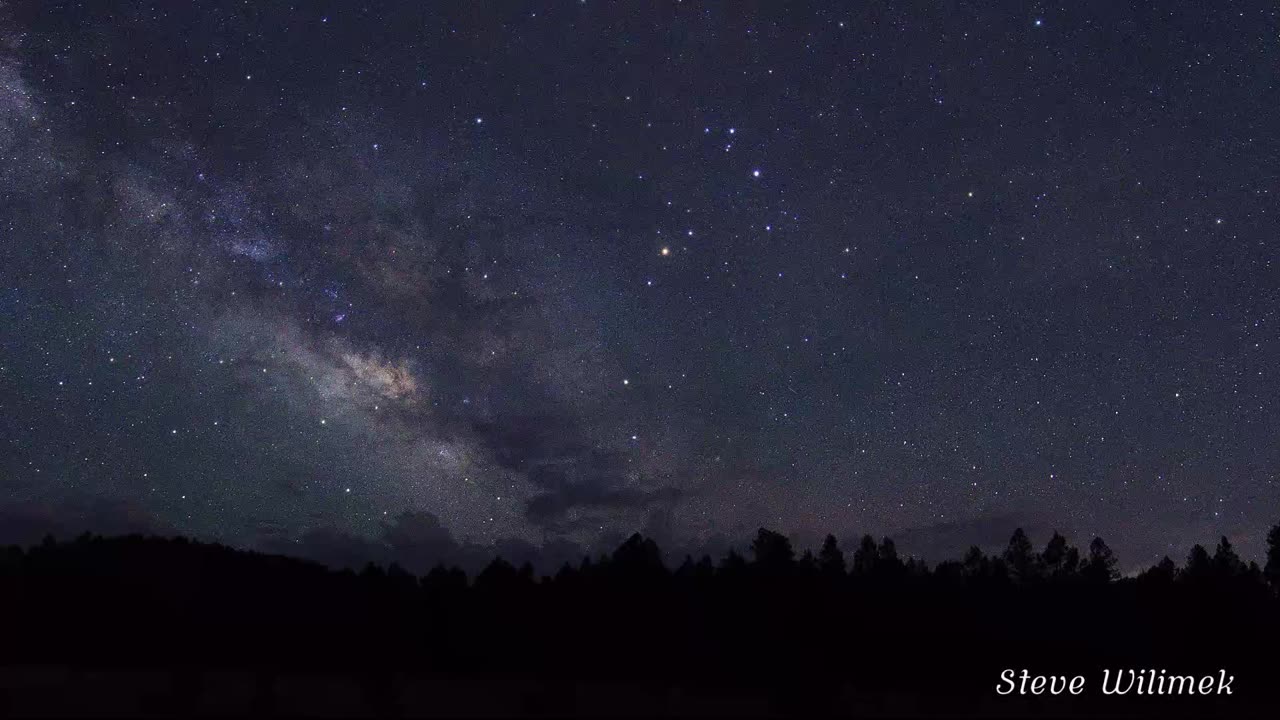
[467, 275]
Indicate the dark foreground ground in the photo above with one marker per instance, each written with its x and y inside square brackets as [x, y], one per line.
[65, 691]
[149, 627]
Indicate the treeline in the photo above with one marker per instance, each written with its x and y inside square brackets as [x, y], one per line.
[872, 562]
[764, 631]
[770, 558]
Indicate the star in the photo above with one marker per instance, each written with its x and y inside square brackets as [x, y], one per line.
[495, 271]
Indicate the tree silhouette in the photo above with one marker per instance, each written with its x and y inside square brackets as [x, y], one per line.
[623, 620]
[831, 558]
[1226, 563]
[888, 564]
[1272, 568]
[773, 551]
[807, 564]
[638, 558]
[501, 576]
[1199, 567]
[865, 557]
[399, 577]
[1162, 573]
[1020, 557]
[373, 572]
[975, 564]
[1059, 561]
[524, 576]
[733, 563]
[1055, 551]
[1071, 563]
[1252, 576]
[1100, 567]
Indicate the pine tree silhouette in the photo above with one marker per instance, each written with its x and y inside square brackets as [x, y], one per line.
[1162, 573]
[623, 619]
[1021, 558]
[1226, 563]
[1100, 567]
[773, 551]
[888, 564]
[1272, 568]
[638, 559]
[1198, 568]
[831, 558]
[865, 557]
[975, 564]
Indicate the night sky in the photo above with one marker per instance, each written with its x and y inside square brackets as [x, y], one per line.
[550, 273]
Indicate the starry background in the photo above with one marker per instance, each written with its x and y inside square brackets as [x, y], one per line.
[477, 275]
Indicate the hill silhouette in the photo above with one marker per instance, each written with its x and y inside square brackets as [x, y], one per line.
[146, 625]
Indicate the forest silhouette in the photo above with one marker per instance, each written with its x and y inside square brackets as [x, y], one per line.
[168, 625]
